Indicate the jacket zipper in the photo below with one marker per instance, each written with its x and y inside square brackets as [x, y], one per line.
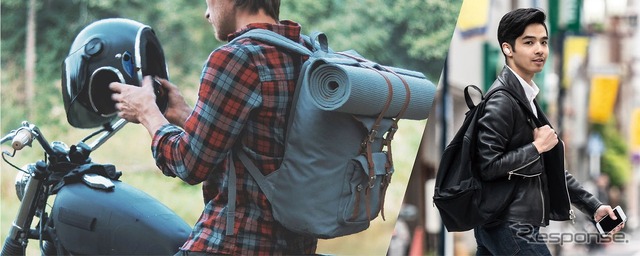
[513, 172]
[572, 215]
[541, 198]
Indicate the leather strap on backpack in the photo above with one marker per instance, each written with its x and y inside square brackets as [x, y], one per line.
[374, 130]
[389, 138]
[369, 140]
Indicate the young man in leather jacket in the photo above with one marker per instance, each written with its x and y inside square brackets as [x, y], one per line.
[518, 148]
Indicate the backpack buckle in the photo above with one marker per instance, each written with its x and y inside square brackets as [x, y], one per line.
[372, 181]
[372, 135]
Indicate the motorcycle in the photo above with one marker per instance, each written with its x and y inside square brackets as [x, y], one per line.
[93, 212]
[79, 206]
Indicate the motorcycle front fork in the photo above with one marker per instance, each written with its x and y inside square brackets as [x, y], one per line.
[19, 233]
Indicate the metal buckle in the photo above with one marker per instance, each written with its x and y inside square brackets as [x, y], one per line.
[372, 135]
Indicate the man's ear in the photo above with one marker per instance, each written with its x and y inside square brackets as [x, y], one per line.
[506, 49]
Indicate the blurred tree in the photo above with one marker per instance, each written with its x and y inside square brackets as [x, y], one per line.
[615, 160]
[56, 24]
[412, 34]
[30, 58]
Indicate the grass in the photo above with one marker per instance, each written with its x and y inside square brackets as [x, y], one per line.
[129, 150]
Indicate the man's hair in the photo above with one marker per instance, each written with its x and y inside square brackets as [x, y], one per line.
[513, 24]
[270, 7]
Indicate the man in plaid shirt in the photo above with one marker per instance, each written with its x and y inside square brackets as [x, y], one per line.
[243, 102]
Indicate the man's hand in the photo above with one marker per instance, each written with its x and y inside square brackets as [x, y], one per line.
[544, 138]
[177, 109]
[605, 210]
[138, 104]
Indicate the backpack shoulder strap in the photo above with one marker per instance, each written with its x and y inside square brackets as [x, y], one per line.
[271, 38]
[467, 96]
[483, 97]
[533, 121]
[275, 39]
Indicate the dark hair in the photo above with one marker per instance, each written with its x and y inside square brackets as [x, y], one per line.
[513, 24]
[271, 7]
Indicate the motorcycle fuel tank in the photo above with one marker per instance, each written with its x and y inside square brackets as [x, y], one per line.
[119, 221]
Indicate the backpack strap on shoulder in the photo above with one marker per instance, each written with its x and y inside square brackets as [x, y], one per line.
[532, 120]
[231, 198]
[275, 39]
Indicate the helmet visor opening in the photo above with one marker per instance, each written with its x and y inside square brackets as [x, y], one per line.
[99, 92]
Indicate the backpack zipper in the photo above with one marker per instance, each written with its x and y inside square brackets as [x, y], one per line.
[514, 172]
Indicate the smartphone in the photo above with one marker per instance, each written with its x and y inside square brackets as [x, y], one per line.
[606, 224]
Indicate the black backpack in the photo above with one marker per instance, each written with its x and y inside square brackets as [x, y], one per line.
[459, 193]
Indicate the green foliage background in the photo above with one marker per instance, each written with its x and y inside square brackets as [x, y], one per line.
[411, 34]
[406, 33]
[615, 157]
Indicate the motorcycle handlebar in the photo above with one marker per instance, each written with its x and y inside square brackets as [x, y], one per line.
[25, 135]
[8, 137]
[22, 137]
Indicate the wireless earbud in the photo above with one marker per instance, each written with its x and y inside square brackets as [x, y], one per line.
[506, 50]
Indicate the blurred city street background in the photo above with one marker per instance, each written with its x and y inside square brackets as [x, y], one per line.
[590, 89]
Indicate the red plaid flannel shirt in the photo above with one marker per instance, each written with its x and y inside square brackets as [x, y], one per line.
[244, 97]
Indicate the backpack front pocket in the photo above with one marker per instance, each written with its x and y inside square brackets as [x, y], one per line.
[364, 190]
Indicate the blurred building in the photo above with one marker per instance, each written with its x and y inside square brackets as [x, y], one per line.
[592, 74]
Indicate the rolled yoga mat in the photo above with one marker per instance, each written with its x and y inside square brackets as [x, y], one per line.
[362, 91]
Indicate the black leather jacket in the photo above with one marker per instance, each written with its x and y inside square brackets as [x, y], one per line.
[506, 154]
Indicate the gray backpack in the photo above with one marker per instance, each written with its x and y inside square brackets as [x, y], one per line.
[345, 111]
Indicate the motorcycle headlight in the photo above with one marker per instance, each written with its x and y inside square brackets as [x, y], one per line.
[22, 179]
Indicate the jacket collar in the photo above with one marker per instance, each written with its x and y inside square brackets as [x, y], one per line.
[531, 90]
[509, 82]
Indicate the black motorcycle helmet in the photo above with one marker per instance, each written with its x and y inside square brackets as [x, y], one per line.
[109, 50]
